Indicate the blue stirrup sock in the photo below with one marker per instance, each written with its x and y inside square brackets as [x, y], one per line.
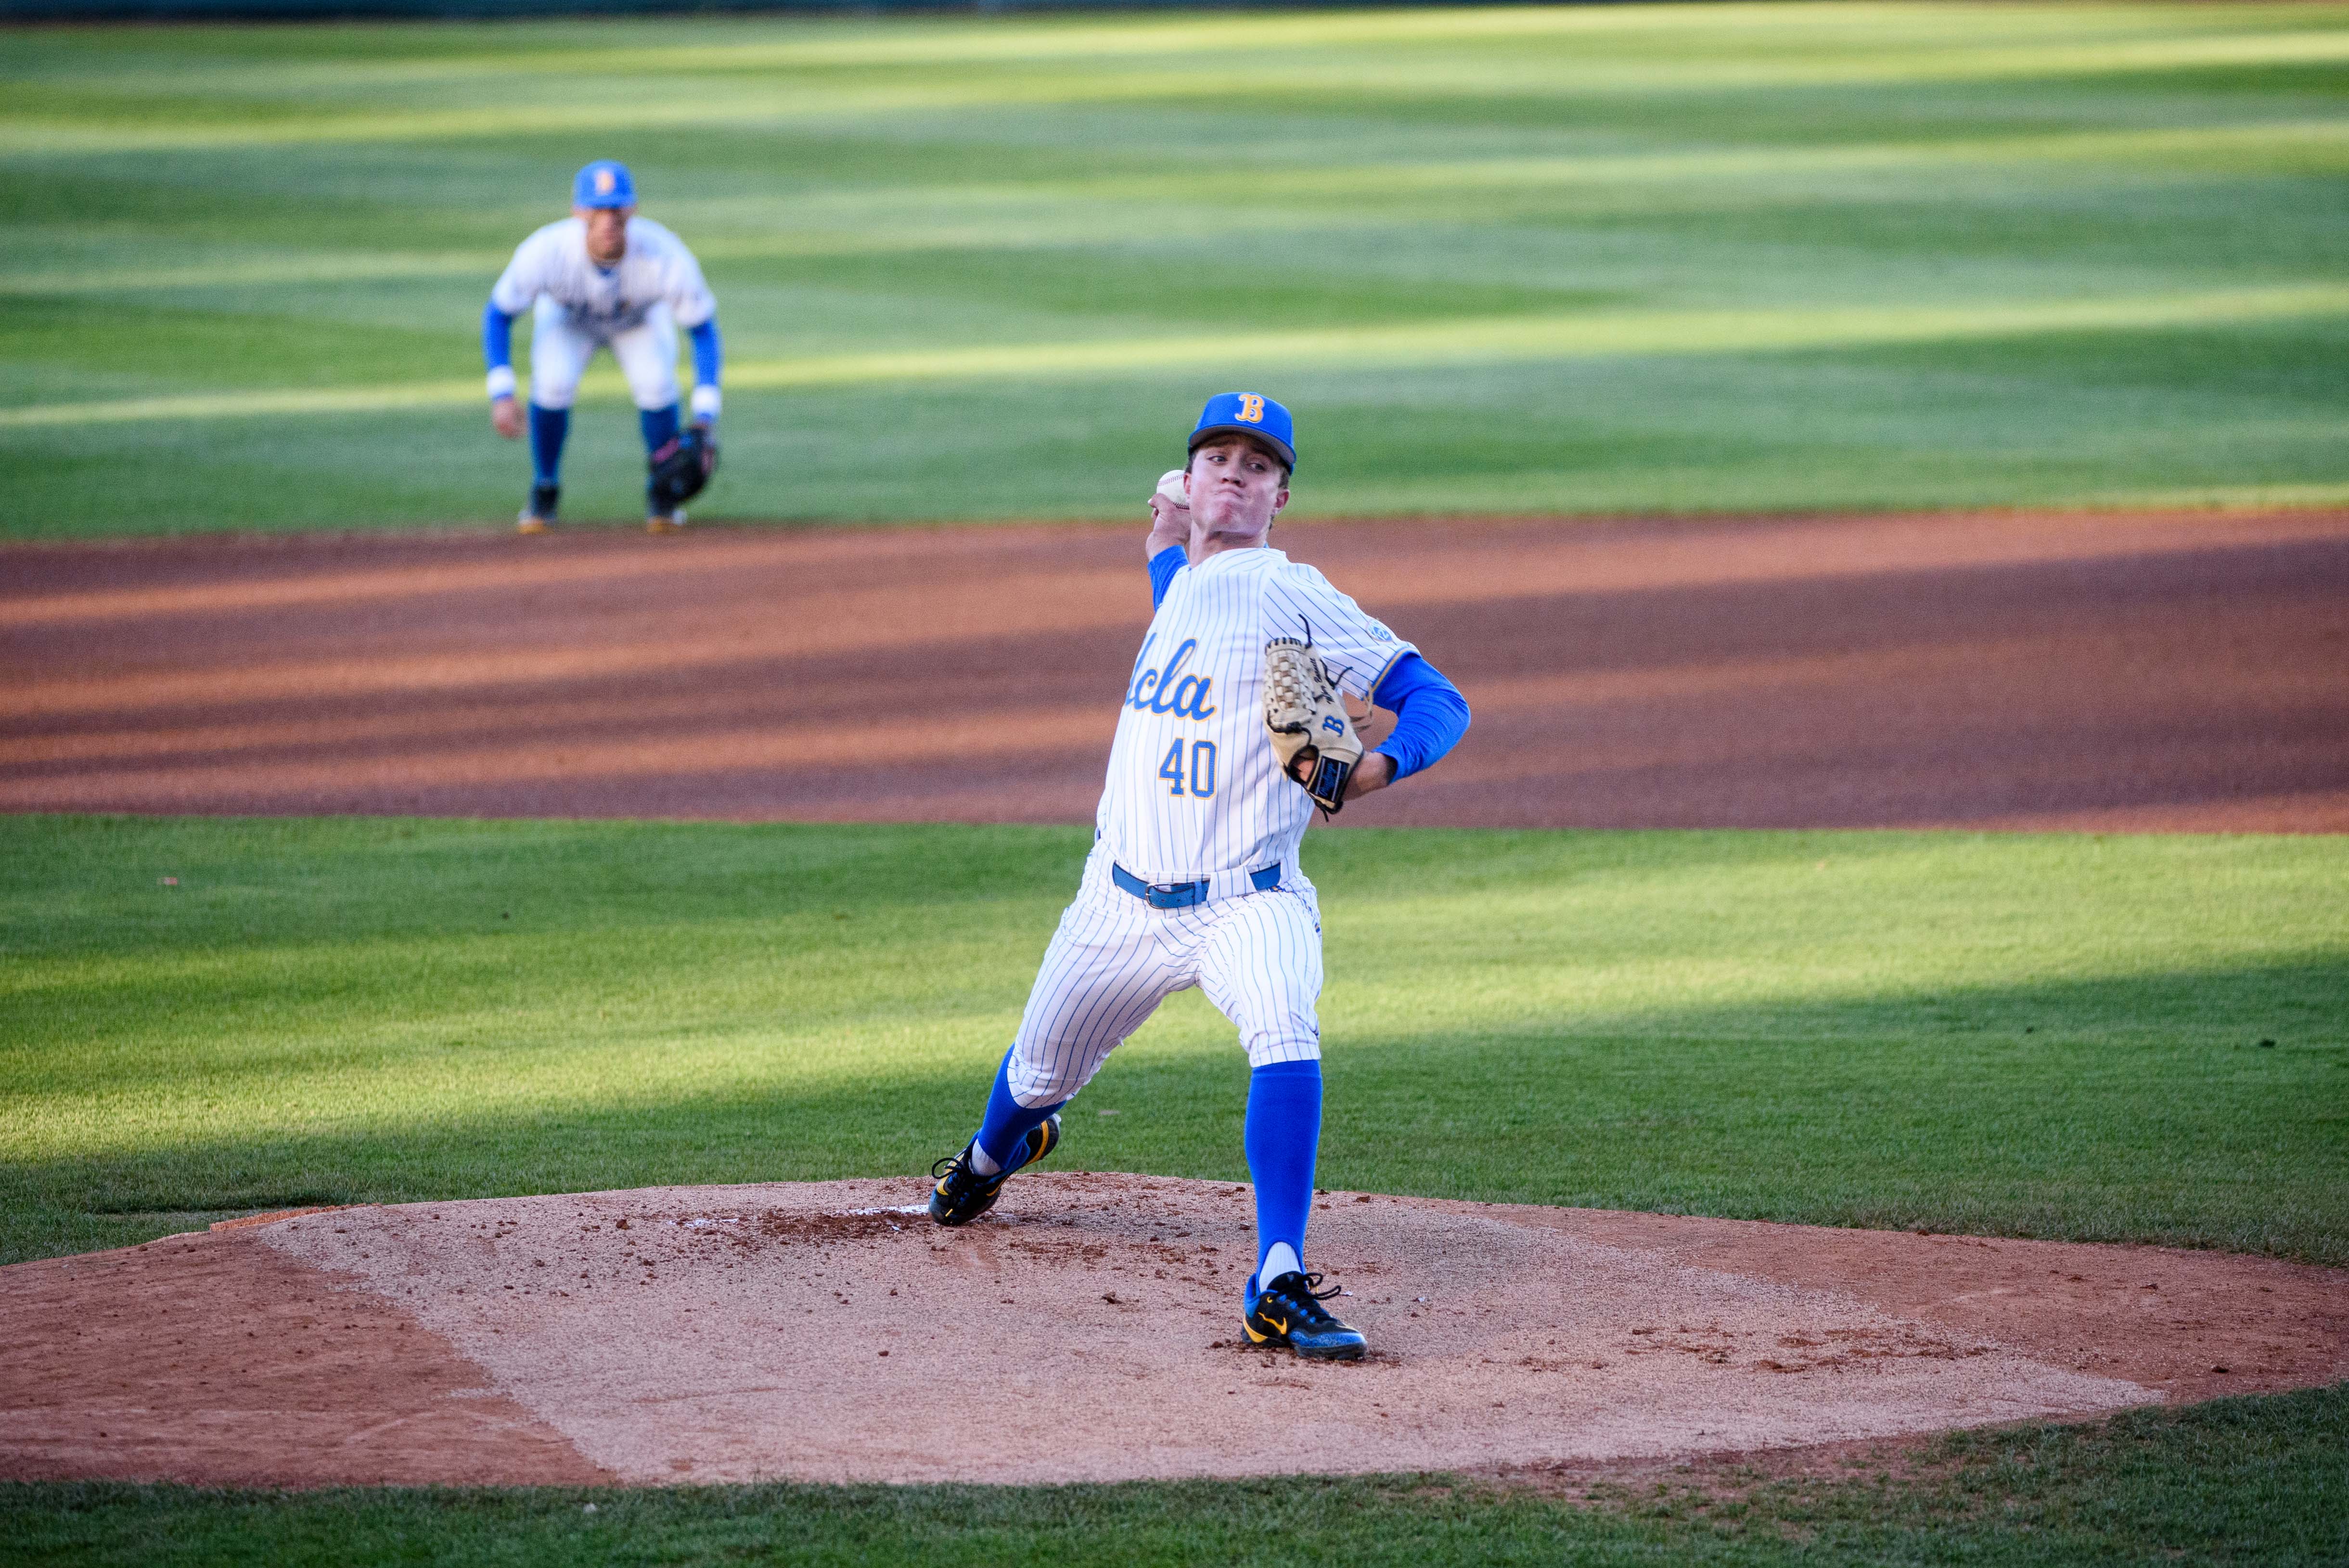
[1284, 1136]
[547, 429]
[659, 426]
[1007, 1122]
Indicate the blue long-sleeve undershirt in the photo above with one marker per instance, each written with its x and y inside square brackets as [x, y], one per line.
[497, 338]
[706, 353]
[1430, 715]
[1162, 568]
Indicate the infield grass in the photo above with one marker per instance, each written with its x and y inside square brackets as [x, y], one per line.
[2054, 1036]
[1580, 259]
[2261, 1481]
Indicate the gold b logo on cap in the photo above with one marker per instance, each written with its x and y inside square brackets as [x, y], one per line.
[603, 181]
[1251, 408]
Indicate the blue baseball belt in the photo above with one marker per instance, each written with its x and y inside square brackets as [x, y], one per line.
[1182, 895]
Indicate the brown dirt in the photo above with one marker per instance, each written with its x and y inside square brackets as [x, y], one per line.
[218, 1360]
[2161, 672]
[1087, 1330]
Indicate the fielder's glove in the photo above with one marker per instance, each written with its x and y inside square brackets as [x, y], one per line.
[1312, 731]
[682, 466]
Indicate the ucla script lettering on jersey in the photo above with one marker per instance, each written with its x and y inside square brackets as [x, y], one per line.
[1171, 689]
[1193, 788]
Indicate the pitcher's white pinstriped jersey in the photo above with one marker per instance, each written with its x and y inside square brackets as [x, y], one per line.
[1195, 794]
[1195, 787]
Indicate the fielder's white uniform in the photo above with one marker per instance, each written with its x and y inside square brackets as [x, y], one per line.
[1196, 793]
[635, 308]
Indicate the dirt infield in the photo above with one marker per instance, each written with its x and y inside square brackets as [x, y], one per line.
[2169, 671]
[1086, 1331]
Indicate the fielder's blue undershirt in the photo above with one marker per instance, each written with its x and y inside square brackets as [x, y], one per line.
[497, 338]
[705, 352]
[1430, 715]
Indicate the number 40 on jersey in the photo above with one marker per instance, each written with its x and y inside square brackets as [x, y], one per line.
[1191, 762]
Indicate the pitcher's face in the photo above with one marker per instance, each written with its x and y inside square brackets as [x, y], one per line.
[1236, 487]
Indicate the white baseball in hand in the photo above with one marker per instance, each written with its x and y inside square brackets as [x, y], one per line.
[1170, 487]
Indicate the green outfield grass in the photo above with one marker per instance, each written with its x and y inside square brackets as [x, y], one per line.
[2062, 1035]
[1615, 258]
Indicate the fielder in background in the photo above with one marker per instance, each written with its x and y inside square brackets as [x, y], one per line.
[604, 277]
[1232, 729]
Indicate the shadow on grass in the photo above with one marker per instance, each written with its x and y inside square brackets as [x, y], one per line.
[2142, 1109]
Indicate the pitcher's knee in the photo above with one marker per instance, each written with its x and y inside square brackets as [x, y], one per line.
[1291, 1046]
[1046, 1083]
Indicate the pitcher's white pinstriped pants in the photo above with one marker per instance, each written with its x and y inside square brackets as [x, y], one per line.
[1115, 958]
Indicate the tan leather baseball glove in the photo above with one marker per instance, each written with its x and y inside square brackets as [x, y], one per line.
[1312, 731]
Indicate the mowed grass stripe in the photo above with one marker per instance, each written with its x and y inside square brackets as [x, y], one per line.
[790, 225]
[1430, 344]
[2054, 1036]
[1732, 33]
[864, 221]
[1451, 53]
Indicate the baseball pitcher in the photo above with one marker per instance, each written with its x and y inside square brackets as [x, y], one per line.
[1234, 731]
[606, 278]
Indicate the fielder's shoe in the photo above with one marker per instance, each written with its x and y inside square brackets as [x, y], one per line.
[1289, 1313]
[665, 521]
[536, 516]
[962, 1195]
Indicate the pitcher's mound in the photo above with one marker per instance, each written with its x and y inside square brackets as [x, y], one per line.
[1088, 1329]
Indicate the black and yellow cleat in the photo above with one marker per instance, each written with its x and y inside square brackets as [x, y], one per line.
[1288, 1314]
[962, 1195]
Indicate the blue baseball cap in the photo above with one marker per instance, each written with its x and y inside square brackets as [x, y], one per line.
[603, 183]
[1248, 414]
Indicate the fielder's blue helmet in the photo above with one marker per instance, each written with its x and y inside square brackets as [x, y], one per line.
[603, 183]
[1248, 414]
